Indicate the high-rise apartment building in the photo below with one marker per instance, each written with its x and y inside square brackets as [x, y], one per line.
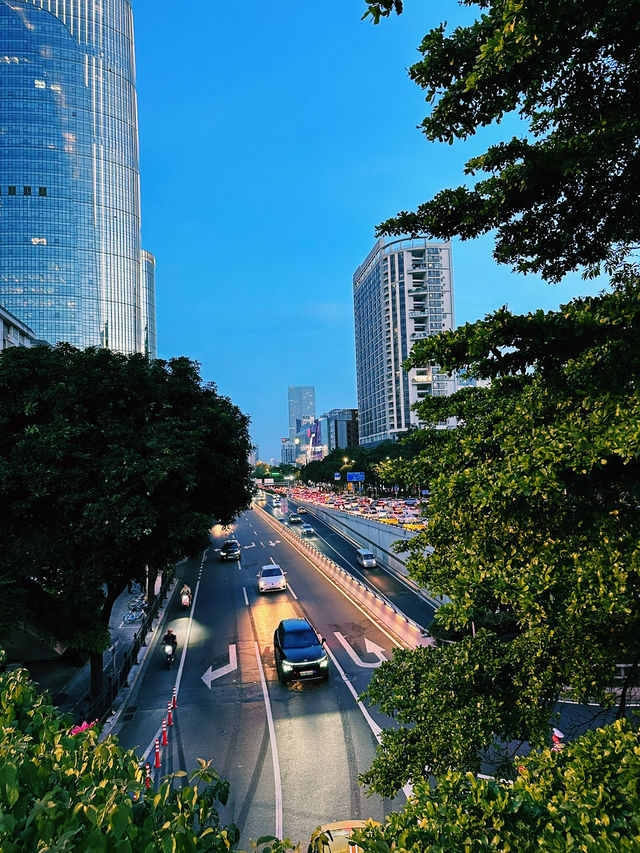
[402, 292]
[302, 407]
[71, 263]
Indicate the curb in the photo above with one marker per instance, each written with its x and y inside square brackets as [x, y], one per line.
[124, 695]
[374, 602]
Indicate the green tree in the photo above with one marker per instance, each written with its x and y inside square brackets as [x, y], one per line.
[534, 525]
[584, 798]
[562, 195]
[110, 464]
[66, 791]
[261, 470]
[533, 507]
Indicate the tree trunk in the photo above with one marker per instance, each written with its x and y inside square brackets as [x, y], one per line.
[628, 682]
[97, 658]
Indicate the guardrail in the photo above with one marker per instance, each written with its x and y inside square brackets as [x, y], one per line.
[102, 706]
[377, 604]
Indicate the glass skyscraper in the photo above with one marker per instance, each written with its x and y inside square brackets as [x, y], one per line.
[71, 264]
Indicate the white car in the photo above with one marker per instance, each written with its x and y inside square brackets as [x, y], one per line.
[271, 578]
[306, 530]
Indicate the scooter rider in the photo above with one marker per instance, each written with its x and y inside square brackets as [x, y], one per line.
[170, 639]
[186, 590]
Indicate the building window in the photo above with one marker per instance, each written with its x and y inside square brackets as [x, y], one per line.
[42, 190]
[26, 190]
[12, 190]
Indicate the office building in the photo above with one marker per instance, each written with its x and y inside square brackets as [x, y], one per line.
[339, 429]
[72, 267]
[402, 292]
[13, 332]
[302, 407]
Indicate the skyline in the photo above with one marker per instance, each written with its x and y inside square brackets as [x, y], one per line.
[270, 147]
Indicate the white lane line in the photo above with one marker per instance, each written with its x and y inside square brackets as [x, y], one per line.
[375, 728]
[274, 746]
[291, 591]
[244, 592]
[151, 746]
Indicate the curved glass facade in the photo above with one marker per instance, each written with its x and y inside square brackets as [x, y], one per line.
[71, 264]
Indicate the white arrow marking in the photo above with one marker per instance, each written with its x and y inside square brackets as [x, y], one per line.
[211, 674]
[253, 545]
[273, 544]
[371, 648]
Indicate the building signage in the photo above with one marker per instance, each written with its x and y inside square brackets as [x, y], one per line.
[336, 476]
[355, 477]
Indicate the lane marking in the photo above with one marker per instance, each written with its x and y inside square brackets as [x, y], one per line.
[291, 591]
[351, 600]
[372, 648]
[151, 746]
[244, 592]
[211, 674]
[274, 746]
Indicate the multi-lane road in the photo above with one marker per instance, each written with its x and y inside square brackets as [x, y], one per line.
[291, 753]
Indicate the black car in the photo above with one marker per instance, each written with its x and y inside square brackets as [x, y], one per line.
[230, 550]
[299, 652]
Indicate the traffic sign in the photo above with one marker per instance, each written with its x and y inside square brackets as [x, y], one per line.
[355, 477]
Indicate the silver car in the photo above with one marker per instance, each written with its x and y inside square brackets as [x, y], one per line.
[271, 578]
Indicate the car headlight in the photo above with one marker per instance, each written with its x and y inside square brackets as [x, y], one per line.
[286, 666]
[260, 585]
[324, 662]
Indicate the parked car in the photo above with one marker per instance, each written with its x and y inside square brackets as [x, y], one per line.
[299, 651]
[271, 578]
[306, 530]
[230, 550]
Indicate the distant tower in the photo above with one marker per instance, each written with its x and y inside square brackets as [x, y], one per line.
[71, 263]
[302, 405]
[402, 292]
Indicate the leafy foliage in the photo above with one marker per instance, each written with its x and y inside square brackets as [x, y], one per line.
[367, 460]
[584, 798]
[562, 195]
[110, 463]
[535, 532]
[60, 791]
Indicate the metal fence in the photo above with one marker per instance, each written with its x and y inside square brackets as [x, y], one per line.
[103, 705]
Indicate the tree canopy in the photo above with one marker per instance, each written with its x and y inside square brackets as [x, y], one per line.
[561, 195]
[535, 533]
[583, 798]
[110, 463]
[63, 789]
[533, 509]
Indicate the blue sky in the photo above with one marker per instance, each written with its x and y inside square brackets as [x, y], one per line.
[273, 138]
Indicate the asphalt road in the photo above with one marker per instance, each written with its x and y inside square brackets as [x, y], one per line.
[291, 753]
[402, 594]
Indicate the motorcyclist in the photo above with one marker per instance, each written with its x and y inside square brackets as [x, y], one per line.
[170, 639]
[186, 590]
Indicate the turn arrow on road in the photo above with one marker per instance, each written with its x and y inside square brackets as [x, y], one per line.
[211, 674]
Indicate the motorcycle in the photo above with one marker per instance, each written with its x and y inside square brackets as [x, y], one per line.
[186, 600]
[170, 654]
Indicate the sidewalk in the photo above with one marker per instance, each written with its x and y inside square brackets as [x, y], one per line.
[69, 685]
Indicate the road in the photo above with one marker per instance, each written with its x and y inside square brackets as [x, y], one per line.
[291, 753]
[401, 593]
